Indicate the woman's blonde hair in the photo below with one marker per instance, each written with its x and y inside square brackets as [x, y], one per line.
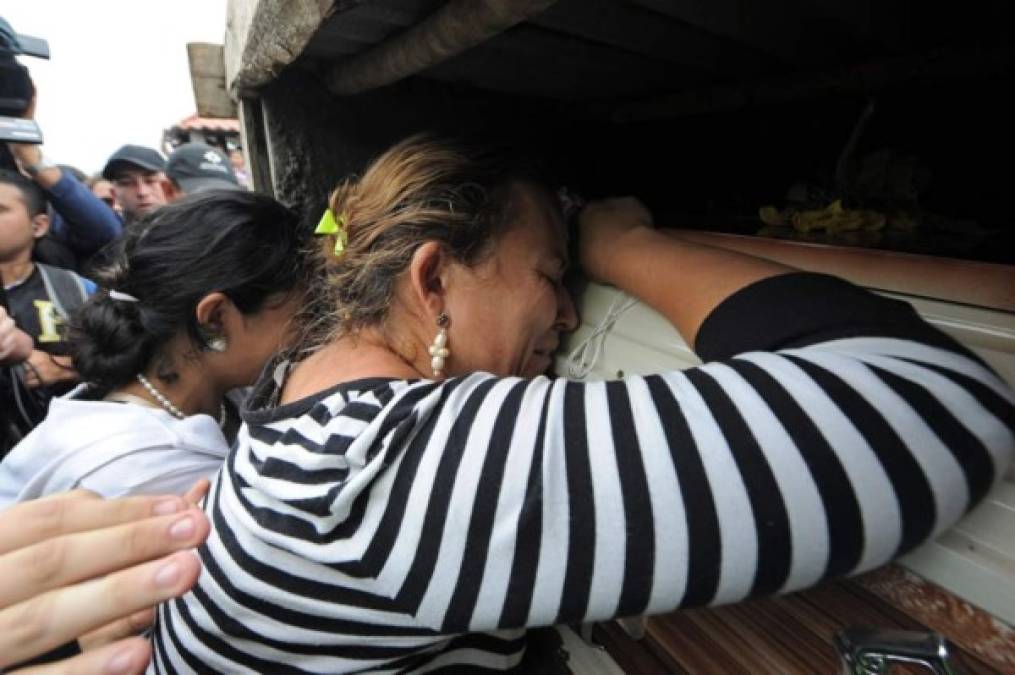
[422, 189]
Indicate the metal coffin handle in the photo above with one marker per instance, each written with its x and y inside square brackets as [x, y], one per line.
[873, 651]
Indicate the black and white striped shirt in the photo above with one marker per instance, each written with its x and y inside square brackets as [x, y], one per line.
[389, 525]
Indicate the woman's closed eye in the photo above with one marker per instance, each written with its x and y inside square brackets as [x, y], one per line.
[553, 278]
[553, 273]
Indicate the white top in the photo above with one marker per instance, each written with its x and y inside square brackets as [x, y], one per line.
[114, 449]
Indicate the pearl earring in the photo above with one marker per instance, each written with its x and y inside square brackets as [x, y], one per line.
[439, 349]
[213, 342]
[218, 344]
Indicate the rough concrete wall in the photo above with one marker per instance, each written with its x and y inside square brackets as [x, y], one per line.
[265, 36]
[317, 139]
[239, 17]
[449, 31]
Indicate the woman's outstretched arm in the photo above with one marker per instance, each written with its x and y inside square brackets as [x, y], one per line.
[681, 280]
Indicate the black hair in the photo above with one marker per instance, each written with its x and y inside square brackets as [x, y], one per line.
[242, 244]
[31, 194]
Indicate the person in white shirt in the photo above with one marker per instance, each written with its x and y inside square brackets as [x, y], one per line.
[196, 299]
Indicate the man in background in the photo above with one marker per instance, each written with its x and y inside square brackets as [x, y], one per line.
[196, 167]
[137, 174]
[39, 298]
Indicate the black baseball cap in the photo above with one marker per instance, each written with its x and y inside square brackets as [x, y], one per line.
[133, 156]
[197, 167]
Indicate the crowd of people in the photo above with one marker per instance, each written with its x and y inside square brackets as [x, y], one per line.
[60, 229]
[273, 448]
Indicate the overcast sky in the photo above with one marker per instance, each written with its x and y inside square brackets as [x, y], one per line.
[118, 71]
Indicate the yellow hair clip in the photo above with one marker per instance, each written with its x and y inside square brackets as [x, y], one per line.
[330, 225]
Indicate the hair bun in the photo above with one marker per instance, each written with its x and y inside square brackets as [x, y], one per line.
[108, 342]
[242, 244]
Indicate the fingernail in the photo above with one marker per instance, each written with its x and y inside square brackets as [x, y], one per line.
[121, 663]
[168, 574]
[167, 506]
[182, 528]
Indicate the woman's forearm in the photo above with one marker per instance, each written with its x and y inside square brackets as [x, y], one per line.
[682, 280]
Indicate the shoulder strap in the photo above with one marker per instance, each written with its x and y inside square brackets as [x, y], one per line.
[66, 290]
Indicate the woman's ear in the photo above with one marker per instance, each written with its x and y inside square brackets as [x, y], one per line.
[427, 277]
[215, 314]
[209, 310]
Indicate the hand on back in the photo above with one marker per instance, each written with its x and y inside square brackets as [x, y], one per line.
[78, 565]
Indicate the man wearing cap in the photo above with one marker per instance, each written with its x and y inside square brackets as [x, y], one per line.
[137, 175]
[196, 167]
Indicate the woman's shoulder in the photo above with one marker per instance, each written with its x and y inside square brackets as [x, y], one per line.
[105, 430]
[80, 420]
[81, 438]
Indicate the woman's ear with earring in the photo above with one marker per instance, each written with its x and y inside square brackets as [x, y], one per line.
[209, 314]
[426, 294]
[217, 343]
[212, 338]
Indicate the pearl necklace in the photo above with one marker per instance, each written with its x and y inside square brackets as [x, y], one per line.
[157, 395]
[168, 405]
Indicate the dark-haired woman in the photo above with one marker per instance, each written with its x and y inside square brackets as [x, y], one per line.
[198, 297]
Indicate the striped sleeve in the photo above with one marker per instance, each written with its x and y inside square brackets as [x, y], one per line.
[410, 525]
[802, 453]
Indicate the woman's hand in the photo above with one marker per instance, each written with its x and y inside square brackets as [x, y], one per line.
[74, 563]
[604, 226]
[135, 623]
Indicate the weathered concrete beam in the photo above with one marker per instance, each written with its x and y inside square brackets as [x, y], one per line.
[264, 36]
[452, 29]
[208, 77]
